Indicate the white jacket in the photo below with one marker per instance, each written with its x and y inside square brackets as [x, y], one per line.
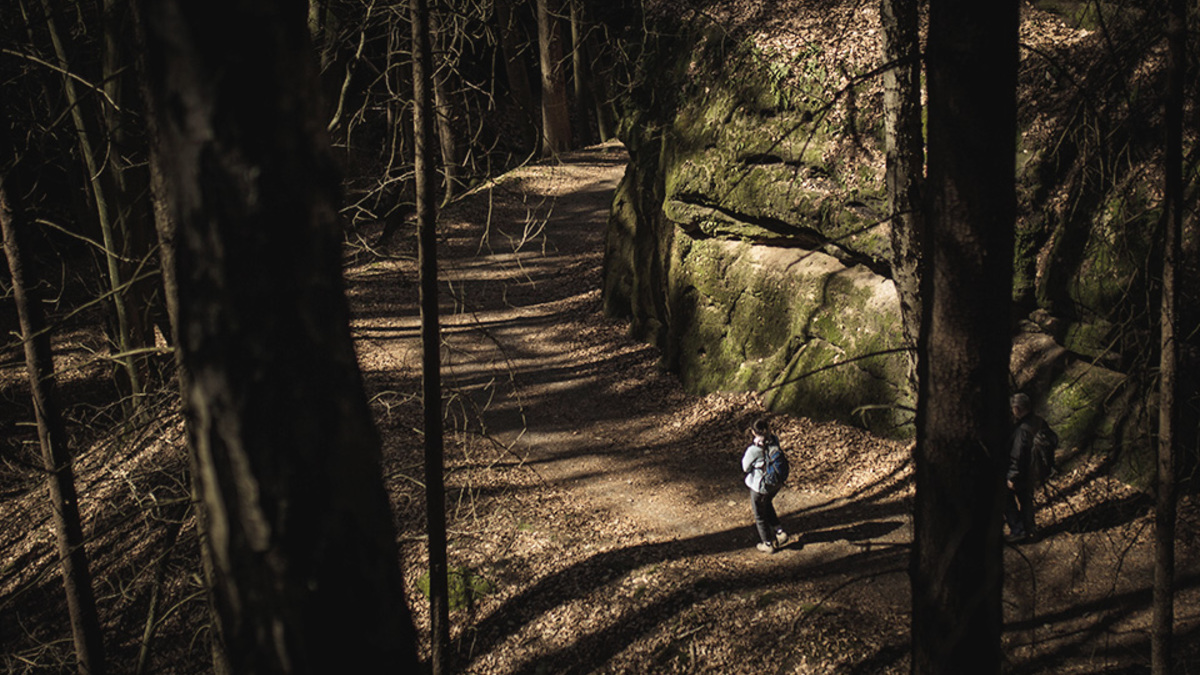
[754, 465]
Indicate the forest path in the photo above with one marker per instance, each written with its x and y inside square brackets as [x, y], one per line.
[638, 483]
[576, 406]
[604, 504]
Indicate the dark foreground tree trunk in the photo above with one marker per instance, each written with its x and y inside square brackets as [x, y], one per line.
[1165, 511]
[56, 458]
[305, 562]
[905, 162]
[431, 342]
[962, 418]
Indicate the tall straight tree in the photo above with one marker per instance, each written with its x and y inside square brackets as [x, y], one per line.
[905, 172]
[580, 73]
[56, 457]
[1163, 627]
[108, 209]
[306, 573]
[556, 113]
[431, 341]
[962, 412]
[127, 182]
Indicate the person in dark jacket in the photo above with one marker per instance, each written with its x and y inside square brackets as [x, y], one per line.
[1019, 508]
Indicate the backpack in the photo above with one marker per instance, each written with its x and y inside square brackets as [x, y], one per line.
[1045, 444]
[775, 474]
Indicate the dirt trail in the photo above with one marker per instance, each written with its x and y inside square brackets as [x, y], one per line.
[604, 504]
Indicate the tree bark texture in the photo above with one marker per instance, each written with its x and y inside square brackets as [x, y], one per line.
[56, 458]
[962, 417]
[431, 342]
[905, 146]
[1166, 506]
[305, 562]
[556, 113]
[166, 230]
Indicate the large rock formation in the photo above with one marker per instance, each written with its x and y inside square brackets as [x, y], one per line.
[749, 237]
[748, 241]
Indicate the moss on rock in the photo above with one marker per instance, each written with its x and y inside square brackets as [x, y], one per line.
[819, 336]
[1071, 406]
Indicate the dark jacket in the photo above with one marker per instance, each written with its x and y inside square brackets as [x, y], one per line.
[1020, 446]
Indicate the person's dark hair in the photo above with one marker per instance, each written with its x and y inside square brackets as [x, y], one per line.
[761, 427]
[1020, 401]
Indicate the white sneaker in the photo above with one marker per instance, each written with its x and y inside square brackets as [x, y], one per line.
[765, 547]
[781, 538]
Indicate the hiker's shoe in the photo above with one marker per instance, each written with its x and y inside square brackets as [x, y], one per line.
[765, 547]
[1017, 538]
[781, 539]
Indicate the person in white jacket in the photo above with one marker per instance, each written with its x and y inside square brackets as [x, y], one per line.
[754, 463]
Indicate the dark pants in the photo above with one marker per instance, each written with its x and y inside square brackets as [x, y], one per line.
[1018, 510]
[765, 520]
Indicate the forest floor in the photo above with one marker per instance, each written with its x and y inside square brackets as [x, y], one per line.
[596, 508]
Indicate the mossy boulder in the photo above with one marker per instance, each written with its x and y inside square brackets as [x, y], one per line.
[820, 338]
[747, 241]
[1070, 405]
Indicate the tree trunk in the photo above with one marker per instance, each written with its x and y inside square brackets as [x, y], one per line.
[305, 569]
[905, 162]
[580, 75]
[962, 421]
[514, 67]
[599, 71]
[339, 108]
[435, 498]
[556, 114]
[599, 74]
[56, 458]
[128, 182]
[104, 212]
[444, 112]
[166, 229]
[164, 225]
[1163, 627]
